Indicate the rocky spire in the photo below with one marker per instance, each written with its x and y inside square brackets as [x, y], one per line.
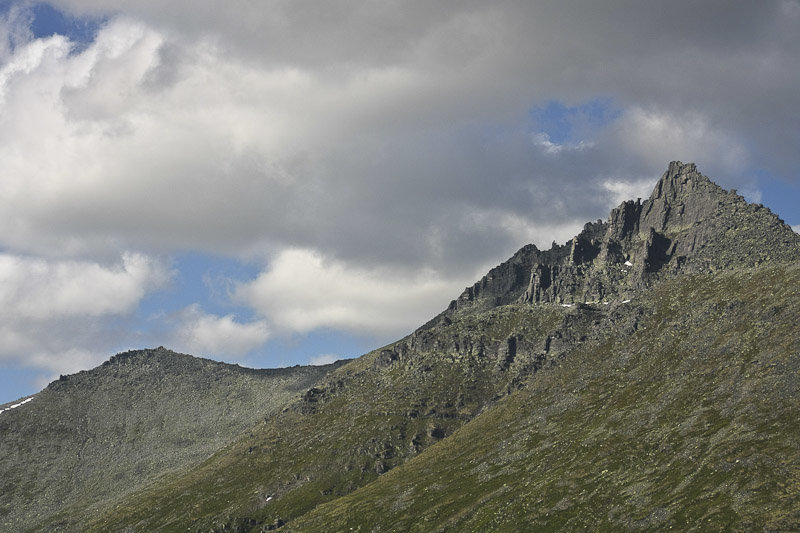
[681, 198]
[688, 224]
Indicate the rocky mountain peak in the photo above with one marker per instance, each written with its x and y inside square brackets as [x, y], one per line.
[678, 180]
[688, 224]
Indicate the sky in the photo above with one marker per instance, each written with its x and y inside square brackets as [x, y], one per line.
[287, 182]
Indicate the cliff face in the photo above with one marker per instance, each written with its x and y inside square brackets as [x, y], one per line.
[688, 225]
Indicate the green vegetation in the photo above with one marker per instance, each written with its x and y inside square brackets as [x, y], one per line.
[362, 420]
[685, 421]
[689, 424]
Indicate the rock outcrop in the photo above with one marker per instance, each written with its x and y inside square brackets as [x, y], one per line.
[689, 224]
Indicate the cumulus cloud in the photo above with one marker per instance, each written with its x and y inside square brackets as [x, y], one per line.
[656, 135]
[63, 315]
[629, 190]
[796, 228]
[303, 290]
[14, 29]
[200, 333]
[176, 129]
[41, 290]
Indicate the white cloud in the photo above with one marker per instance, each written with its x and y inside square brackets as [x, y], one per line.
[205, 334]
[324, 359]
[796, 228]
[14, 30]
[63, 315]
[751, 193]
[175, 129]
[302, 291]
[659, 135]
[522, 229]
[622, 191]
[543, 141]
[34, 288]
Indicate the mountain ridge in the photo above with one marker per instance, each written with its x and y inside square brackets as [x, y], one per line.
[686, 225]
[106, 431]
[692, 278]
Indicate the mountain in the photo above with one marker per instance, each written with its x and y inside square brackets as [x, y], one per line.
[642, 376]
[97, 435]
[688, 225]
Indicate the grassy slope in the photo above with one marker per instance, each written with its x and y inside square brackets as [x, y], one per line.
[689, 423]
[369, 417]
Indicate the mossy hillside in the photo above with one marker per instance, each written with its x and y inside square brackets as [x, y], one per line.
[364, 419]
[689, 423]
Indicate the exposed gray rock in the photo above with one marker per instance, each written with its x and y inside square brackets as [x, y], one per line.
[688, 224]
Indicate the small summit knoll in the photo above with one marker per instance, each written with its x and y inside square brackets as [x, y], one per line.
[102, 433]
[688, 225]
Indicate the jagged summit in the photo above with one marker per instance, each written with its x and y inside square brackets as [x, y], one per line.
[688, 224]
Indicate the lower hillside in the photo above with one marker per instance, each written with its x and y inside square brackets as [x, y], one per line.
[689, 423]
[677, 409]
[364, 419]
[97, 435]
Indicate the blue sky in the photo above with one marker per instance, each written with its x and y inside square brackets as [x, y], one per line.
[47, 20]
[306, 184]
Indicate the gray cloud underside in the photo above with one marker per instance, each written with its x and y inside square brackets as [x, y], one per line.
[400, 134]
[372, 145]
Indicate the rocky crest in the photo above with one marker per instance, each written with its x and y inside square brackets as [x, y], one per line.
[688, 225]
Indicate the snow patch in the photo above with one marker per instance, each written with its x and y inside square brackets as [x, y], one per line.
[628, 264]
[566, 305]
[10, 407]
[626, 301]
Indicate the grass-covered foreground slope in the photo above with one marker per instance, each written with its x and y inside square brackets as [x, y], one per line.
[688, 423]
[364, 419]
[94, 436]
[369, 416]
[677, 408]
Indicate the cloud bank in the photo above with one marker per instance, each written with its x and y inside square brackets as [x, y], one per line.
[60, 315]
[302, 291]
[371, 158]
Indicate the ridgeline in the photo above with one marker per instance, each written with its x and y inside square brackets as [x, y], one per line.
[642, 376]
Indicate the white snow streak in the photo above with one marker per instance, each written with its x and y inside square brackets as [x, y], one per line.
[10, 407]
